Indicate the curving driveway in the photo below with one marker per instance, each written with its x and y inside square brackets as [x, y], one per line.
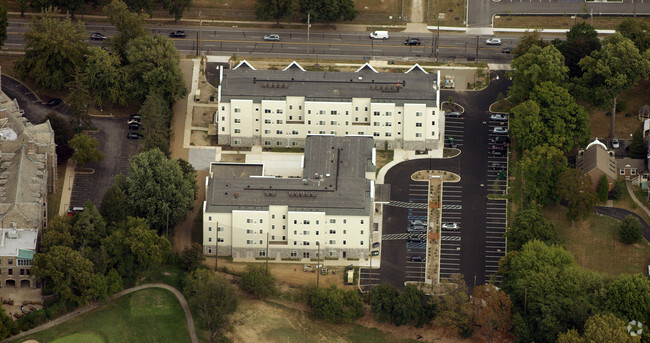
[89, 307]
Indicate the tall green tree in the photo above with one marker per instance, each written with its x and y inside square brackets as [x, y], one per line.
[610, 71]
[527, 126]
[600, 328]
[534, 67]
[541, 169]
[114, 207]
[603, 189]
[628, 296]
[85, 150]
[105, 78]
[638, 147]
[335, 305]
[159, 189]
[530, 224]
[67, 273]
[78, 99]
[4, 22]
[153, 67]
[637, 32]
[177, 7]
[580, 41]
[328, 11]
[57, 233]
[275, 9]
[192, 257]
[258, 281]
[212, 298]
[578, 190]
[8, 326]
[88, 228]
[129, 25]
[54, 49]
[630, 230]
[452, 305]
[526, 41]
[156, 121]
[62, 135]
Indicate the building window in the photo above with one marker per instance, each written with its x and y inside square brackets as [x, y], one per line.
[321, 122]
[361, 223]
[376, 134]
[332, 253]
[236, 141]
[305, 255]
[306, 221]
[418, 124]
[389, 123]
[293, 253]
[273, 227]
[237, 110]
[209, 228]
[10, 261]
[418, 134]
[388, 134]
[249, 231]
[267, 142]
[261, 231]
[633, 171]
[332, 242]
[261, 242]
[10, 271]
[361, 243]
[249, 221]
[333, 112]
[220, 239]
[237, 121]
[362, 230]
[291, 107]
[209, 250]
[366, 109]
[376, 123]
[305, 232]
[220, 228]
[209, 239]
[249, 242]
[333, 122]
[321, 132]
[321, 112]
[622, 171]
[23, 262]
[300, 107]
[345, 221]
[418, 114]
[267, 121]
[333, 221]
[308, 111]
[344, 242]
[279, 132]
[332, 232]
[267, 132]
[376, 113]
[279, 111]
[305, 242]
[389, 113]
[210, 218]
[345, 232]
[433, 123]
[356, 108]
[267, 110]
[279, 121]
[237, 131]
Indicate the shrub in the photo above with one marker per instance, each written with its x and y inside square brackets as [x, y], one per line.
[619, 189]
[603, 189]
[630, 230]
[258, 281]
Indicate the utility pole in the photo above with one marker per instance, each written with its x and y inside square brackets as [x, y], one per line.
[318, 265]
[308, 26]
[216, 255]
[476, 48]
[438, 41]
[267, 252]
[200, 27]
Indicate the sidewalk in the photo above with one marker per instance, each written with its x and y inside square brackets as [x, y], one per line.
[628, 184]
[66, 191]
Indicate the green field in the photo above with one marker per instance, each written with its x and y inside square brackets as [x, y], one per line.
[150, 315]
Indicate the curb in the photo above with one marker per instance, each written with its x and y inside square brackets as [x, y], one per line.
[26, 86]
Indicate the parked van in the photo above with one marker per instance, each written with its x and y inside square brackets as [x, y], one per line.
[379, 35]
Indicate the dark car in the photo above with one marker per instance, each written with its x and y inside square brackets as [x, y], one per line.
[412, 41]
[417, 229]
[177, 34]
[498, 147]
[452, 114]
[507, 50]
[417, 259]
[135, 117]
[134, 126]
[497, 153]
[498, 166]
[502, 140]
[134, 135]
[97, 36]
[54, 102]
[415, 239]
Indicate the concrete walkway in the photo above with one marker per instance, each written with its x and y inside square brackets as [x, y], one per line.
[66, 191]
[89, 307]
[628, 184]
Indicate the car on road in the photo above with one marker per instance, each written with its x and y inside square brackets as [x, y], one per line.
[412, 41]
[498, 117]
[272, 38]
[507, 50]
[493, 41]
[415, 239]
[177, 34]
[615, 143]
[97, 36]
[452, 114]
[134, 135]
[417, 259]
[54, 102]
[500, 130]
[450, 226]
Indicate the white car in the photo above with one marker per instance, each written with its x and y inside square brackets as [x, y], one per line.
[450, 226]
[615, 144]
[272, 38]
[493, 41]
[500, 130]
[498, 117]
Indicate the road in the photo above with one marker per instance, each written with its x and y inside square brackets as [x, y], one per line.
[320, 44]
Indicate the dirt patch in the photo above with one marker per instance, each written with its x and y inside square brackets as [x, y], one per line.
[202, 116]
[238, 158]
[199, 138]
[453, 13]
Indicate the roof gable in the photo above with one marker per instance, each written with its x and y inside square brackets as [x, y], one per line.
[244, 64]
[294, 66]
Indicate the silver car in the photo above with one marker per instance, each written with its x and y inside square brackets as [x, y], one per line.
[450, 226]
[272, 38]
[493, 41]
[498, 117]
[500, 130]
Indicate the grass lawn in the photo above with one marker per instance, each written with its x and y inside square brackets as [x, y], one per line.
[560, 22]
[151, 315]
[594, 244]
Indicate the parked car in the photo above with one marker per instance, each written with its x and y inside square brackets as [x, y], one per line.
[502, 140]
[450, 226]
[415, 239]
[74, 210]
[507, 50]
[500, 130]
[615, 143]
[498, 117]
[417, 259]
[134, 126]
[417, 229]
[177, 34]
[412, 41]
[272, 38]
[134, 135]
[452, 142]
[498, 147]
[452, 114]
[374, 253]
[497, 153]
[97, 36]
[497, 166]
[135, 117]
[418, 222]
[375, 245]
[54, 102]
[493, 41]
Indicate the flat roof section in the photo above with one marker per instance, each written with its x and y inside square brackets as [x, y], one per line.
[221, 169]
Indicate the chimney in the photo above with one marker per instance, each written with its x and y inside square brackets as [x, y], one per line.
[31, 148]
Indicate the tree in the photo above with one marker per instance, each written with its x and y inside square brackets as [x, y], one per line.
[541, 169]
[630, 230]
[335, 305]
[578, 190]
[139, 6]
[534, 67]
[212, 298]
[177, 7]
[600, 328]
[129, 25]
[413, 308]
[7, 325]
[57, 233]
[258, 281]
[67, 272]
[526, 125]
[628, 296]
[193, 257]
[383, 299]
[526, 41]
[86, 151]
[328, 10]
[275, 9]
[530, 224]
[490, 310]
[4, 22]
[104, 77]
[619, 189]
[610, 71]
[580, 41]
[159, 189]
[88, 227]
[62, 134]
[603, 189]
[114, 207]
[638, 147]
[452, 305]
[153, 67]
[54, 49]
[77, 100]
[156, 117]
[637, 32]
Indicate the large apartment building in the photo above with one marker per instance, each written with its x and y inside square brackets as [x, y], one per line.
[249, 215]
[275, 108]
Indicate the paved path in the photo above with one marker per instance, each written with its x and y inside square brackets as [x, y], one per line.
[89, 307]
